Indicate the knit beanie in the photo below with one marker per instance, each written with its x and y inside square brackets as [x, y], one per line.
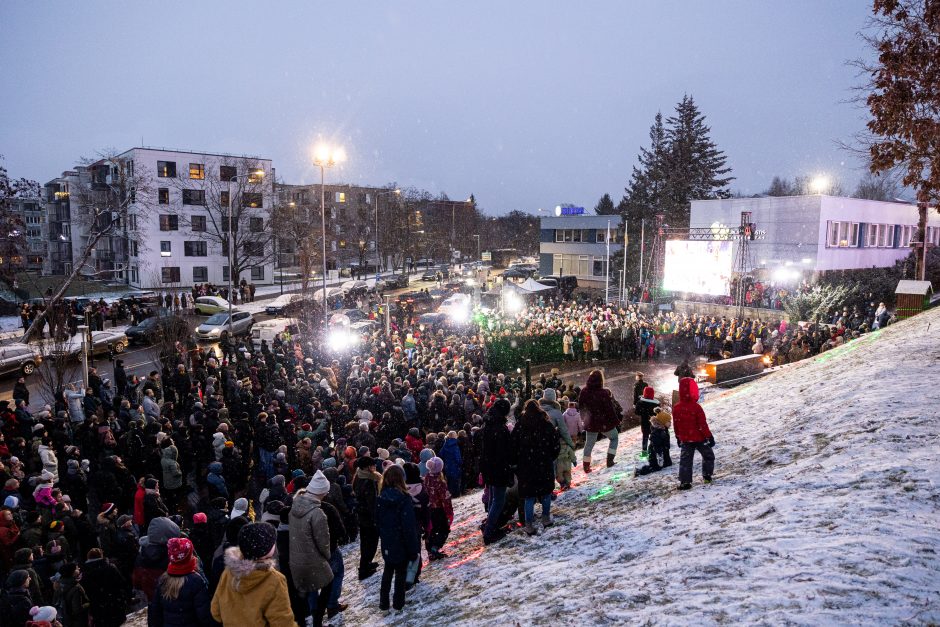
[240, 508]
[319, 484]
[11, 502]
[256, 540]
[180, 553]
[46, 613]
[199, 518]
[435, 465]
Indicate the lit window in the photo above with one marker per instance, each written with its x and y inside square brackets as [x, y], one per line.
[340, 197]
[252, 199]
[166, 169]
[163, 196]
[165, 248]
[255, 175]
[197, 171]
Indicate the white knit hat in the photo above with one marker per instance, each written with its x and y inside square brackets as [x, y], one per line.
[319, 484]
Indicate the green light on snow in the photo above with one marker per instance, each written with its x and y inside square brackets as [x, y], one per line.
[603, 492]
[619, 476]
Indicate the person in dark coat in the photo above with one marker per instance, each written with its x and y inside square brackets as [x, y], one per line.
[182, 595]
[599, 413]
[395, 516]
[15, 603]
[453, 463]
[692, 434]
[683, 370]
[644, 409]
[497, 460]
[366, 487]
[537, 443]
[106, 589]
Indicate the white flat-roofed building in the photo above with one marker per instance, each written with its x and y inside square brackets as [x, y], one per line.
[820, 233]
[577, 245]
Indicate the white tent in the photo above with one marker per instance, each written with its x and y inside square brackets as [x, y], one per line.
[531, 286]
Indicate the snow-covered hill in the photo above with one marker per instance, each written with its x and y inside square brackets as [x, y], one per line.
[825, 510]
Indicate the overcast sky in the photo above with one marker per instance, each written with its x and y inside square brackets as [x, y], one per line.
[524, 104]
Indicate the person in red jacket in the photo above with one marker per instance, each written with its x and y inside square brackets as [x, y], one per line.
[692, 434]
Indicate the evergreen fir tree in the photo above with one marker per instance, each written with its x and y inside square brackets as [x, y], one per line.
[605, 206]
[696, 168]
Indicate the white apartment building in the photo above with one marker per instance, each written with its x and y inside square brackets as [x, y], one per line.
[176, 234]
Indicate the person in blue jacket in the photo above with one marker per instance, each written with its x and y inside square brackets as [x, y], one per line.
[453, 464]
[395, 517]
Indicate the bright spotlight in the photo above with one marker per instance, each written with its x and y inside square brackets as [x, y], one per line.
[340, 339]
[820, 184]
[459, 314]
[513, 303]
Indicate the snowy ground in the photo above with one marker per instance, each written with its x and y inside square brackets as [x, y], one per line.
[824, 510]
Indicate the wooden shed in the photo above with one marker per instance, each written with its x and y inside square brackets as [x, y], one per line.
[912, 298]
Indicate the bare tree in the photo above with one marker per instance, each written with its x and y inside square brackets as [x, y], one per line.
[238, 189]
[108, 191]
[883, 186]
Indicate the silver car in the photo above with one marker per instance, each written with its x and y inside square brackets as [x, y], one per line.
[217, 324]
[19, 359]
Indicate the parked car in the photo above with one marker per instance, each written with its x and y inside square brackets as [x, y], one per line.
[285, 304]
[20, 359]
[208, 305]
[348, 316]
[421, 301]
[101, 343]
[431, 273]
[564, 285]
[155, 328]
[518, 272]
[218, 324]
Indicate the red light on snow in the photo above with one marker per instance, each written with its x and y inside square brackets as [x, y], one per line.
[472, 556]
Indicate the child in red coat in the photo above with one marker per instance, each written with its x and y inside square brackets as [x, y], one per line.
[692, 434]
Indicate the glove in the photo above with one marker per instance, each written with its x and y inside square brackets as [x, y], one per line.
[710, 442]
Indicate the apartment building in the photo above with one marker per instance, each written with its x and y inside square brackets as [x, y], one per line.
[181, 207]
[30, 216]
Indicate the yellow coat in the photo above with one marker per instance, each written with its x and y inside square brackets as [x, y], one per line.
[251, 594]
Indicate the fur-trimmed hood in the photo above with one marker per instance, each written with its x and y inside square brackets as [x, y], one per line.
[246, 574]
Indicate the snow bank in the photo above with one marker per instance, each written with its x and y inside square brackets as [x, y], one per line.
[824, 510]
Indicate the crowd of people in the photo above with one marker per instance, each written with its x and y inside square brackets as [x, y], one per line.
[226, 486]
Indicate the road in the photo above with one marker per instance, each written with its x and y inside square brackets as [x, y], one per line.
[140, 360]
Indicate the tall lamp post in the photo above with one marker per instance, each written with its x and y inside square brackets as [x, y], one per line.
[325, 157]
[254, 173]
[378, 255]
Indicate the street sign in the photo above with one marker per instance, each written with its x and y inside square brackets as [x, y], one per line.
[486, 256]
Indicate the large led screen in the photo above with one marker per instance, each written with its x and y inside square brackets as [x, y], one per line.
[698, 267]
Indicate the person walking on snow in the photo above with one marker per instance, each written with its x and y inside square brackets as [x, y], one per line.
[644, 409]
[600, 415]
[692, 434]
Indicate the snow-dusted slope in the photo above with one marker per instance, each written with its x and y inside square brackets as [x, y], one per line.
[824, 510]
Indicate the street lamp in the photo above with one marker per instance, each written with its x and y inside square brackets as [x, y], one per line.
[325, 157]
[252, 175]
[478, 246]
[820, 184]
[378, 256]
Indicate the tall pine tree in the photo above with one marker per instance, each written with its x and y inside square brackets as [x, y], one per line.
[696, 168]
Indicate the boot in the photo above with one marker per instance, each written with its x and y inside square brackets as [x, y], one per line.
[610, 460]
[530, 529]
[547, 521]
[587, 465]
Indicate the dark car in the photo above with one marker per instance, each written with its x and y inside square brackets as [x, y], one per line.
[518, 272]
[18, 358]
[158, 328]
[564, 285]
[396, 282]
[420, 302]
[285, 305]
[431, 273]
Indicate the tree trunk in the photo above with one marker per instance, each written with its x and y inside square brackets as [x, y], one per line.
[920, 268]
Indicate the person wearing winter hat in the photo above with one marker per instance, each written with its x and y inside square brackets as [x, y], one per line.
[251, 591]
[645, 407]
[441, 511]
[17, 601]
[497, 459]
[182, 596]
[366, 487]
[423, 458]
[44, 616]
[240, 508]
[310, 546]
[659, 443]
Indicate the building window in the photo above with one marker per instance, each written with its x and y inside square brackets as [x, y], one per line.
[163, 196]
[166, 169]
[225, 272]
[170, 275]
[227, 173]
[169, 222]
[843, 235]
[134, 249]
[257, 273]
[583, 266]
[252, 199]
[198, 224]
[256, 225]
[194, 197]
[255, 175]
[134, 274]
[253, 249]
[200, 274]
[132, 221]
[195, 249]
[165, 248]
[224, 199]
[599, 266]
[197, 171]
[601, 236]
[872, 235]
[339, 197]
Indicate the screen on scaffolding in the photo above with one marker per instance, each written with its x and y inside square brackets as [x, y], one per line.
[699, 267]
